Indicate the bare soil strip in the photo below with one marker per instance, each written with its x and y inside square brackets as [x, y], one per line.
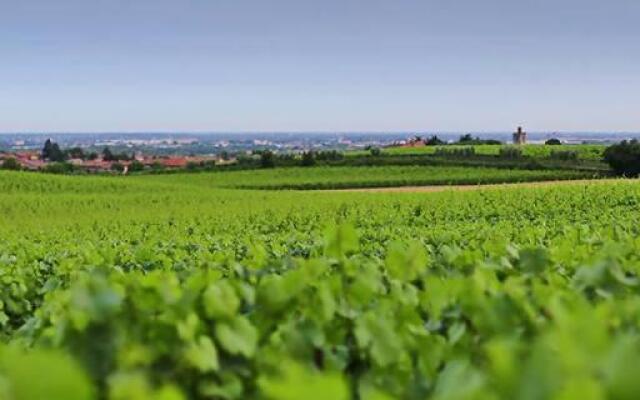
[442, 188]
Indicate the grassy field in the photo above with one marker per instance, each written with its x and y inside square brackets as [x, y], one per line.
[178, 287]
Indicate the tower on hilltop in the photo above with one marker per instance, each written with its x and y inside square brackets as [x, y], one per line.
[519, 136]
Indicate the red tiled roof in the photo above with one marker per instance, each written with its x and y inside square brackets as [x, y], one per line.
[175, 162]
[96, 164]
[32, 164]
[26, 155]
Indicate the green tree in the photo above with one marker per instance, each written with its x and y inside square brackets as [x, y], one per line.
[11, 164]
[553, 142]
[329, 155]
[116, 166]
[467, 138]
[136, 166]
[624, 157]
[46, 150]
[434, 141]
[58, 168]
[56, 154]
[107, 155]
[51, 151]
[76, 152]
[267, 160]
[308, 158]
[192, 166]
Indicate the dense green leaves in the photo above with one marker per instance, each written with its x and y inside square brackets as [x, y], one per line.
[173, 290]
[41, 375]
[203, 355]
[237, 336]
[295, 382]
[220, 300]
[377, 333]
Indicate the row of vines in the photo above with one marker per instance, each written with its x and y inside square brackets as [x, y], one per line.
[179, 290]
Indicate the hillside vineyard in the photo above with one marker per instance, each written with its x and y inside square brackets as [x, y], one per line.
[180, 287]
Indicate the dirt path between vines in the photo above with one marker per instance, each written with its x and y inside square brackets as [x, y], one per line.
[442, 188]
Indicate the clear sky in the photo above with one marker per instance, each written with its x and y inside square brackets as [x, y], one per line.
[321, 65]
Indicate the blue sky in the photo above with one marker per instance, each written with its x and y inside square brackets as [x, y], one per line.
[330, 65]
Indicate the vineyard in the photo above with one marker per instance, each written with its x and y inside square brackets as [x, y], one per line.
[192, 286]
[584, 151]
[361, 177]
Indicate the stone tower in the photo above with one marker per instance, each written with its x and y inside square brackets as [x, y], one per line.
[520, 136]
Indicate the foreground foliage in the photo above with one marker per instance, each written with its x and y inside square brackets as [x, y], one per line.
[171, 289]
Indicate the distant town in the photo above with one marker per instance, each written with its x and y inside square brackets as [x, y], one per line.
[53, 158]
[123, 153]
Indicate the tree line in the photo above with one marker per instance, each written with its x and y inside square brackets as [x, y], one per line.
[52, 152]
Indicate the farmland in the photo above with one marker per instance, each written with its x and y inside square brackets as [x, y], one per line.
[584, 151]
[184, 286]
[353, 177]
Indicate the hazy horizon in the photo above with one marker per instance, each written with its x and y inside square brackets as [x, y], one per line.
[75, 66]
[396, 132]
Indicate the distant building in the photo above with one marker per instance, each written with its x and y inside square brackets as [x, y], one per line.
[96, 165]
[520, 136]
[76, 161]
[174, 162]
[139, 156]
[415, 141]
[27, 155]
[32, 165]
